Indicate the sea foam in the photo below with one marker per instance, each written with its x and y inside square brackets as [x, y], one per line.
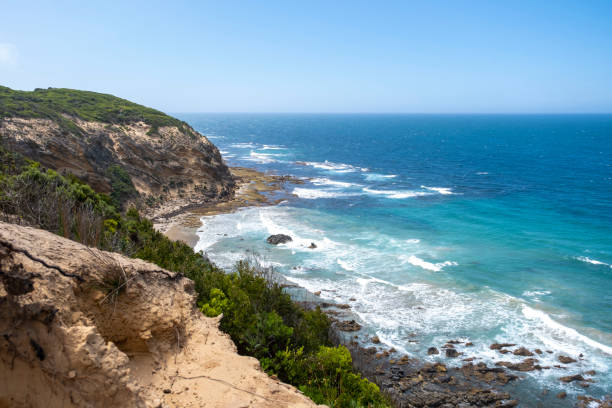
[441, 190]
[313, 194]
[323, 181]
[435, 267]
[592, 261]
[396, 194]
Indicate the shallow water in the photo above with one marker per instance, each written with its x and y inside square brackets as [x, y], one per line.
[483, 228]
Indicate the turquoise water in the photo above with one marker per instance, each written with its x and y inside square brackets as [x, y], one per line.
[483, 228]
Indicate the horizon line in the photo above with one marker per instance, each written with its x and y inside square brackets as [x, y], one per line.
[386, 113]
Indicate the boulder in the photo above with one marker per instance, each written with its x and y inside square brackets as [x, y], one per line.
[432, 350]
[278, 239]
[570, 378]
[312, 245]
[349, 326]
[529, 364]
[499, 346]
[522, 352]
[451, 352]
[566, 359]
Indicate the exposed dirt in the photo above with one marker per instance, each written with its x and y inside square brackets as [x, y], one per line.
[169, 167]
[81, 327]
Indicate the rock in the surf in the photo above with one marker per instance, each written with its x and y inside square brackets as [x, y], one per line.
[570, 378]
[566, 359]
[522, 351]
[499, 346]
[278, 239]
[451, 352]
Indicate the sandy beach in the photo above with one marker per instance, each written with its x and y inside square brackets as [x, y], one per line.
[254, 189]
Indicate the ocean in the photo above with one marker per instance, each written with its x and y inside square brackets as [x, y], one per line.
[482, 228]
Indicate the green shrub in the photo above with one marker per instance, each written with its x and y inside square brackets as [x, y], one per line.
[326, 376]
[216, 305]
[122, 188]
[56, 103]
[258, 314]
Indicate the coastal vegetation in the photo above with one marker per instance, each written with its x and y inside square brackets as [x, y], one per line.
[64, 105]
[291, 342]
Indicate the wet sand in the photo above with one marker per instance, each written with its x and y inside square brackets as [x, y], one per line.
[255, 189]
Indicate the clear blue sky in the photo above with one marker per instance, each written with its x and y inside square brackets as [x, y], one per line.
[310, 56]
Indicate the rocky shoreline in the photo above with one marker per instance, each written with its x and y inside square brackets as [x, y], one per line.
[253, 189]
[408, 381]
[414, 382]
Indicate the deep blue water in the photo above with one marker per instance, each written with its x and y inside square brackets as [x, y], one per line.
[487, 228]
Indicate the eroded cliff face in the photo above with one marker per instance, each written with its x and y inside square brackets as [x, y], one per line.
[165, 166]
[81, 327]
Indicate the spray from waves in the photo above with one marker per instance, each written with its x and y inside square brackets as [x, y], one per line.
[335, 167]
[347, 266]
[536, 293]
[441, 190]
[243, 145]
[396, 194]
[392, 307]
[262, 157]
[323, 181]
[434, 267]
[592, 261]
[313, 194]
[562, 331]
[301, 237]
[378, 177]
[273, 147]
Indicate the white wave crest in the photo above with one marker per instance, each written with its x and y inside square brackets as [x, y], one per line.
[378, 177]
[441, 190]
[592, 261]
[347, 266]
[273, 147]
[323, 181]
[313, 194]
[561, 330]
[243, 145]
[396, 194]
[435, 267]
[533, 293]
[336, 167]
[260, 157]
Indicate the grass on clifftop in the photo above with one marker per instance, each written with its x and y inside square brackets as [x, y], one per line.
[262, 320]
[57, 103]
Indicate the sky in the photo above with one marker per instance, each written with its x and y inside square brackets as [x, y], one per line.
[318, 56]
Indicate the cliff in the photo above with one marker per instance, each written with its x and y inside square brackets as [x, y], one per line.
[82, 327]
[133, 153]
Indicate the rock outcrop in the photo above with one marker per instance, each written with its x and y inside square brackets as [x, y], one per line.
[278, 239]
[81, 327]
[104, 140]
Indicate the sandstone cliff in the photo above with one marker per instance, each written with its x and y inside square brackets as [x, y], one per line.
[115, 146]
[86, 328]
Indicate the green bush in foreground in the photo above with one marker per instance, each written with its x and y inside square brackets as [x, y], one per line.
[262, 320]
[326, 377]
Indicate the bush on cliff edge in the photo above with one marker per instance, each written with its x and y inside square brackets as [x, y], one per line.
[258, 314]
